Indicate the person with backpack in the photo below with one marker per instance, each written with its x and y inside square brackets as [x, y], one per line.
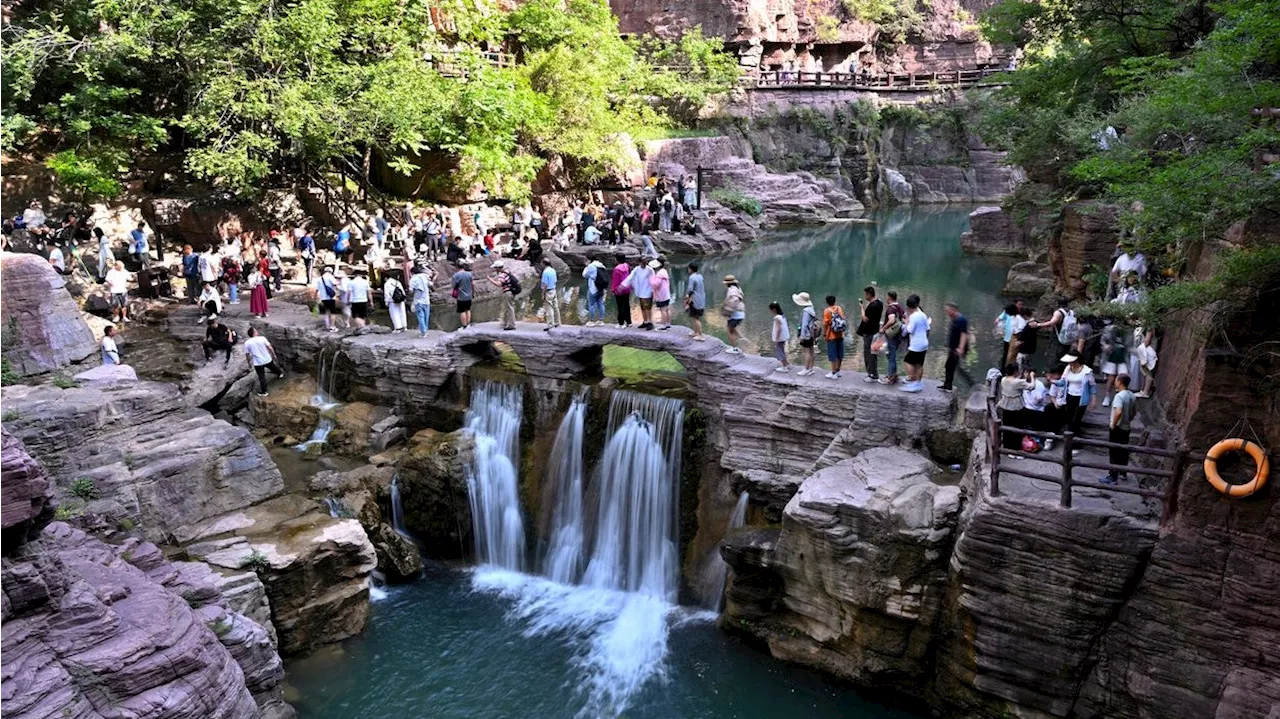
[510, 286]
[1063, 326]
[734, 309]
[667, 212]
[1115, 357]
[917, 345]
[1007, 325]
[807, 330]
[393, 295]
[695, 301]
[325, 292]
[871, 310]
[957, 346]
[834, 325]
[138, 246]
[894, 320]
[342, 244]
[420, 288]
[597, 278]
[307, 250]
[621, 290]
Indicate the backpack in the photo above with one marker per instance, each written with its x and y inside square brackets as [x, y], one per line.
[668, 205]
[513, 285]
[397, 294]
[329, 291]
[602, 280]
[839, 325]
[1069, 330]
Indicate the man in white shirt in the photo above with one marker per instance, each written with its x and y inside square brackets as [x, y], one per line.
[110, 353]
[118, 286]
[56, 259]
[640, 283]
[918, 330]
[358, 298]
[420, 286]
[1129, 260]
[550, 296]
[261, 356]
[325, 291]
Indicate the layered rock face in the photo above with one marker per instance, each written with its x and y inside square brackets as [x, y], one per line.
[42, 325]
[170, 466]
[859, 570]
[936, 166]
[26, 502]
[92, 630]
[361, 493]
[992, 231]
[1090, 230]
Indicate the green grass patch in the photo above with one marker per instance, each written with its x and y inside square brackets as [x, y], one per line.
[630, 364]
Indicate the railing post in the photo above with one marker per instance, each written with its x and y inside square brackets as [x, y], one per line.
[1068, 439]
[995, 456]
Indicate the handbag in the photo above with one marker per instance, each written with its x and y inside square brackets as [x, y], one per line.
[1029, 444]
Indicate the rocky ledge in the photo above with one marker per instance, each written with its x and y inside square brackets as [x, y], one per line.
[43, 328]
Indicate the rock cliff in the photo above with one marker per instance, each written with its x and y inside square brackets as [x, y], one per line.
[42, 325]
[26, 497]
[92, 630]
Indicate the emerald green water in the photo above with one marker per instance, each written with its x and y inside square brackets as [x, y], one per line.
[438, 648]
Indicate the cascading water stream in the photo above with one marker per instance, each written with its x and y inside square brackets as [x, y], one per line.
[397, 511]
[494, 422]
[563, 562]
[323, 400]
[719, 569]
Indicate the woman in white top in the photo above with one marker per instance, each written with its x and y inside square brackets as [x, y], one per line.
[399, 316]
[779, 334]
[1079, 379]
[210, 303]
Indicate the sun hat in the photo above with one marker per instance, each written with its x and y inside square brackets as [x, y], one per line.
[499, 264]
[730, 280]
[654, 264]
[1068, 358]
[802, 299]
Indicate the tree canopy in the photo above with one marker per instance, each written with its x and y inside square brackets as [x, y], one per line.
[248, 91]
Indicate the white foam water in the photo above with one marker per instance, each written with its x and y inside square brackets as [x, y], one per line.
[494, 422]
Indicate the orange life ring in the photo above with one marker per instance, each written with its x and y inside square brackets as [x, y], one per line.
[1236, 444]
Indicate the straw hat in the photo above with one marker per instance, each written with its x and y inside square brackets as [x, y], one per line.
[802, 299]
[730, 280]
[1068, 358]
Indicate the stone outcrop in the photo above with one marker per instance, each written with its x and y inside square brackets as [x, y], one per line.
[992, 231]
[92, 630]
[939, 165]
[859, 569]
[770, 430]
[291, 411]
[1028, 279]
[1090, 231]
[42, 326]
[361, 493]
[434, 492]
[26, 497]
[170, 466]
[315, 568]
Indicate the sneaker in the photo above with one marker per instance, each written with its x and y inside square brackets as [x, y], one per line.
[1109, 479]
[733, 350]
[213, 317]
[335, 329]
[870, 380]
[1048, 444]
[885, 380]
[1106, 402]
[261, 394]
[548, 328]
[948, 390]
[830, 375]
[664, 328]
[699, 338]
[781, 369]
[912, 387]
[128, 321]
[200, 321]
[805, 372]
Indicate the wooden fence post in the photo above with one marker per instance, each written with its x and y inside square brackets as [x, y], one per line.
[995, 456]
[1068, 439]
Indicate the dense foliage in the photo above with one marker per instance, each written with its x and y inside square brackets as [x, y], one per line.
[1149, 104]
[248, 91]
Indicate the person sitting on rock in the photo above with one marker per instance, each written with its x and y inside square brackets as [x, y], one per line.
[217, 337]
[210, 303]
[110, 352]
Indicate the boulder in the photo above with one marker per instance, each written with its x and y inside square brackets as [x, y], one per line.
[43, 328]
[108, 374]
[862, 563]
[1028, 279]
[26, 497]
[1090, 231]
[992, 231]
[899, 189]
[433, 491]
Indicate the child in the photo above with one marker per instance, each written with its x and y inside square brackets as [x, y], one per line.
[780, 332]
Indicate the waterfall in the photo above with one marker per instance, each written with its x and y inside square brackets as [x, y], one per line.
[397, 512]
[719, 569]
[336, 510]
[563, 562]
[319, 435]
[323, 398]
[494, 422]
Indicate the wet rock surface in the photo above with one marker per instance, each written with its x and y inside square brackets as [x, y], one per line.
[26, 502]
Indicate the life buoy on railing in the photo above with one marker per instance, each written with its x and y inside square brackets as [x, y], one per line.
[1236, 444]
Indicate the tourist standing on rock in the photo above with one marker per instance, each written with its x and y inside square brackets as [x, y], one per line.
[307, 250]
[734, 309]
[358, 297]
[550, 295]
[394, 296]
[661, 282]
[191, 272]
[1027, 342]
[894, 320]
[695, 300]
[1079, 380]
[779, 334]
[597, 277]
[106, 258]
[1010, 405]
[510, 287]
[639, 281]
[463, 292]
[275, 264]
[217, 338]
[324, 292]
[1129, 260]
[231, 274]
[1056, 406]
[118, 287]
[210, 266]
[433, 230]
[1035, 402]
[261, 356]
[138, 247]
[210, 302]
[1115, 357]
[917, 345]
[957, 347]
[621, 290]
[420, 286]
[1007, 326]
[807, 330]
[667, 212]
[834, 325]
[1123, 407]
[110, 352]
[871, 310]
[690, 193]
[257, 292]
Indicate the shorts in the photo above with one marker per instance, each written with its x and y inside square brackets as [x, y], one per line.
[359, 310]
[835, 350]
[1114, 368]
[806, 343]
[695, 312]
[328, 305]
[464, 306]
[118, 299]
[914, 358]
[733, 324]
[646, 303]
[662, 303]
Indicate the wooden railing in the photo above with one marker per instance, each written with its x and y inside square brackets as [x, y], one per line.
[788, 79]
[1066, 479]
[446, 62]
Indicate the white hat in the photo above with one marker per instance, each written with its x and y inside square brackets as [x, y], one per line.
[802, 299]
[1068, 358]
[654, 264]
[499, 264]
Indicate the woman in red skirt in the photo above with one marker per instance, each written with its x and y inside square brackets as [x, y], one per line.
[257, 293]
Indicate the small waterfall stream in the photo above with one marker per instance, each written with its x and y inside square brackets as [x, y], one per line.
[323, 399]
[565, 479]
[494, 421]
[720, 569]
[397, 511]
